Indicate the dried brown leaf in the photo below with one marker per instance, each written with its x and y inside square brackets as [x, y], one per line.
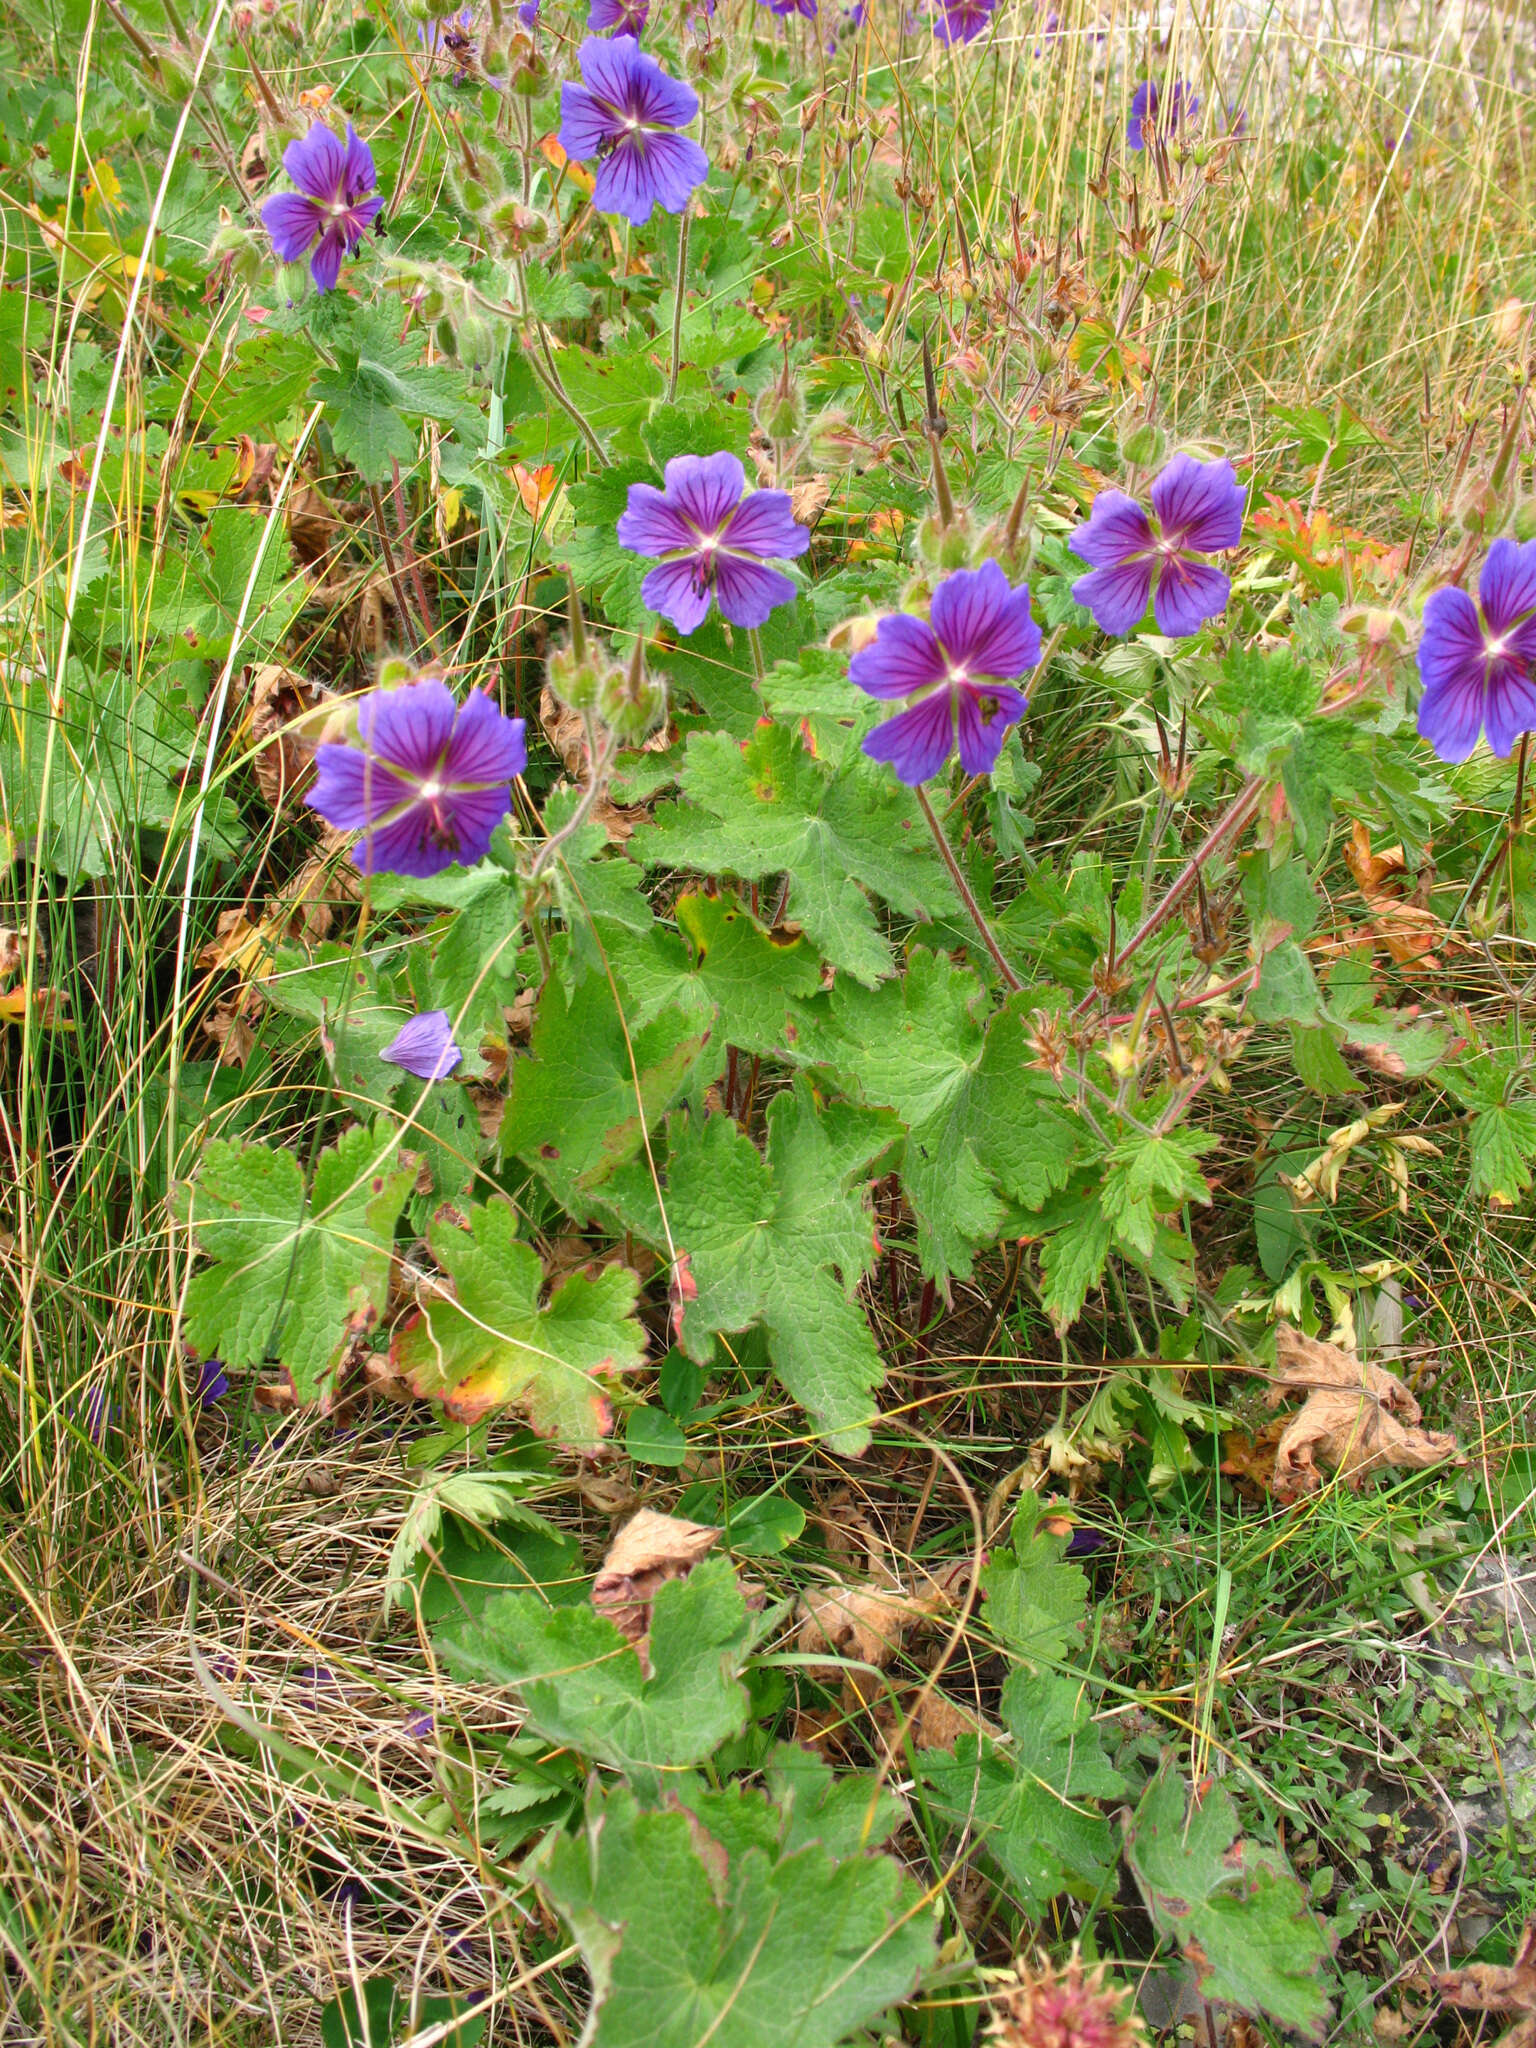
[1406, 928]
[566, 731]
[870, 1623]
[1495, 1987]
[1357, 1418]
[649, 1550]
[282, 707]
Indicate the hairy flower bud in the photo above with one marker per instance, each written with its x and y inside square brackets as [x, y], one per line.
[631, 702]
[780, 410]
[1143, 444]
[945, 544]
[512, 228]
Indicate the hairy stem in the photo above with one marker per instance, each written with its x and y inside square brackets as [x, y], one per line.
[967, 895]
[677, 307]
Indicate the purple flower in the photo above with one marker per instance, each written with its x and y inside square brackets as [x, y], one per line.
[1150, 121]
[978, 633]
[424, 1046]
[805, 7]
[332, 207]
[1199, 510]
[1478, 661]
[212, 1382]
[427, 784]
[961, 21]
[420, 1726]
[437, 35]
[528, 13]
[627, 112]
[712, 540]
[627, 16]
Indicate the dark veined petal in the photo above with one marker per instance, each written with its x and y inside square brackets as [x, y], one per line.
[678, 167]
[486, 746]
[764, 523]
[661, 101]
[747, 591]
[1509, 705]
[961, 21]
[1114, 531]
[917, 741]
[293, 222]
[1199, 504]
[903, 657]
[705, 489]
[650, 525]
[983, 718]
[1116, 595]
[983, 625]
[585, 124]
[359, 176]
[350, 791]
[409, 727]
[424, 1046]
[1187, 594]
[360, 218]
[1507, 585]
[473, 815]
[407, 845]
[1452, 669]
[325, 264]
[317, 164]
[624, 184]
[674, 590]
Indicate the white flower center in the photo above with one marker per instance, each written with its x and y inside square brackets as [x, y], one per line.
[431, 791]
[959, 678]
[1493, 649]
[708, 542]
[633, 123]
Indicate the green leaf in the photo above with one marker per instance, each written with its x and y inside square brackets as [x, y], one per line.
[292, 1277]
[1025, 1800]
[765, 1526]
[766, 807]
[1318, 1062]
[377, 385]
[1074, 1255]
[652, 1438]
[754, 979]
[1503, 1149]
[783, 1241]
[488, 1343]
[582, 1682]
[982, 1127]
[1035, 1599]
[687, 1944]
[1149, 1175]
[589, 1089]
[1234, 1908]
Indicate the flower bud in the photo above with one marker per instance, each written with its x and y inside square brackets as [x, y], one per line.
[239, 247]
[512, 228]
[1142, 444]
[945, 544]
[1479, 507]
[631, 702]
[393, 671]
[527, 72]
[1523, 523]
[780, 410]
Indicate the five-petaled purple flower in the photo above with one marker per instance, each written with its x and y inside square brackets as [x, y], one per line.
[961, 21]
[712, 542]
[212, 1382]
[627, 112]
[627, 16]
[959, 663]
[1478, 661]
[333, 207]
[424, 1046]
[428, 782]
[1152, 120]
[805, 7]
[1199, 511]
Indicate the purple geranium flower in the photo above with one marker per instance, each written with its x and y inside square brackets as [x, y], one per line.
[1199, 510]
[528, 13]
[627, 16]
[424, 1046]
[962, 21]
[805, 7]
[334, 205]
[1478, 661]
[212, 1382]
[427, 784]
[957, 663]
[1150, 119]
[627, 112]
[712, 541]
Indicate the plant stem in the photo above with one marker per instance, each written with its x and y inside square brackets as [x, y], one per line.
[677, 307]
[759, 664]
[1232, 819]
[1516, 825]
[967, 896]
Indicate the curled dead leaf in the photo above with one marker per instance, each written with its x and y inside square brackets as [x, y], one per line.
[566, 731]
[1499, 1987]
[1402, 923]
[285, 729]
[1357, 1418]
[649, 1550]
[870, 1623]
